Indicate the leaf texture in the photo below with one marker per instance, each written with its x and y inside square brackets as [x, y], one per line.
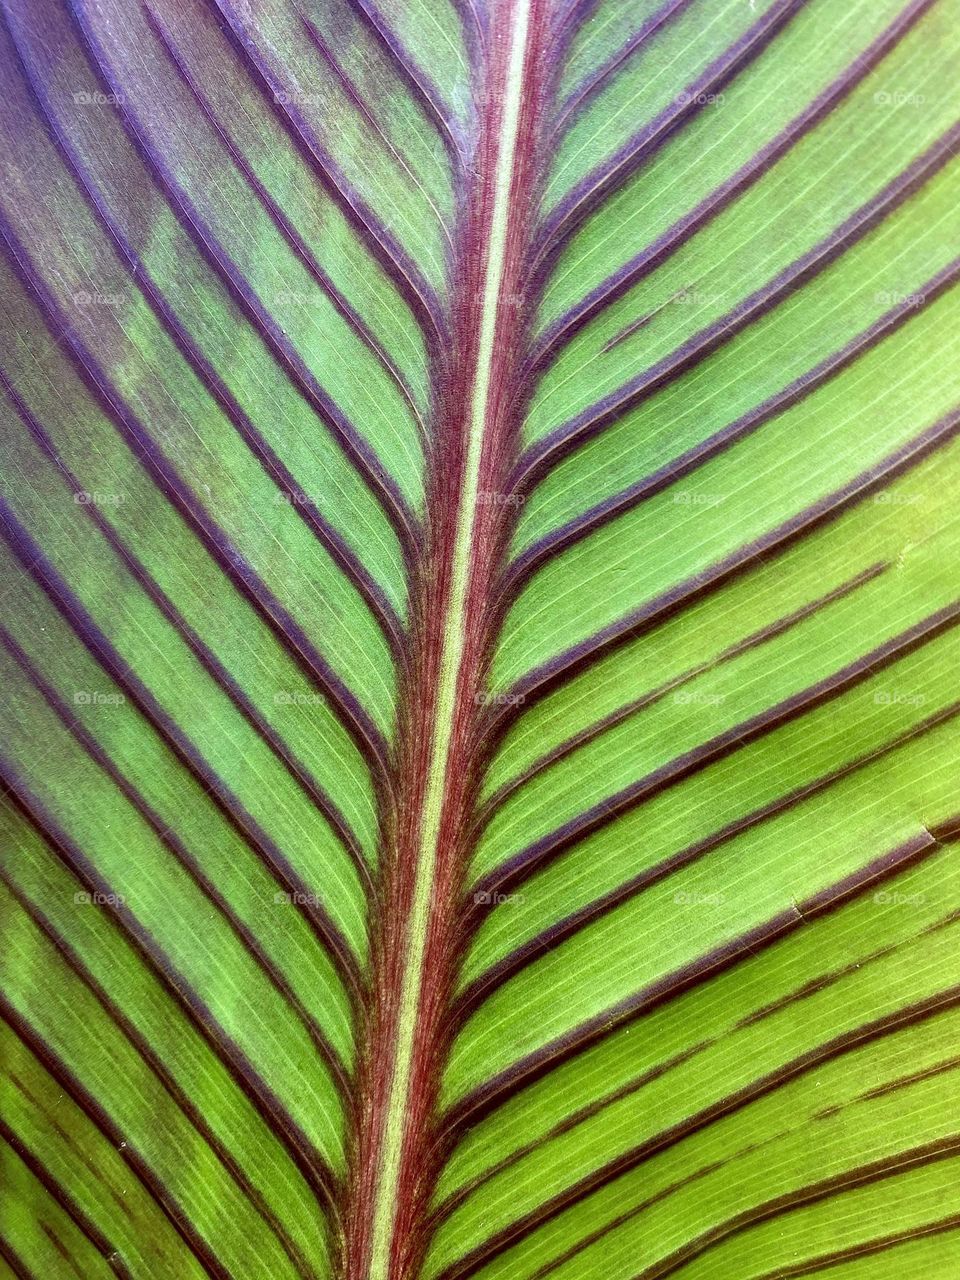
[479, 641]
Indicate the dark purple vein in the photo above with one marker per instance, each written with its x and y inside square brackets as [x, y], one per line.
[270, 333]
[567, 1125]
[139, 1166]
[866, 1248]
[363, 110]
[302, 775]
[853, 1039]
[860, 1175]
[414, 77]
[353, 716]
[634, 1085]
[659, 250]
[572, 209]
[533, 1066]
[308, 1159]
[474, 20]
[593, 83]
[542, 679]
[68, 1262]
[542, 456]
[569, 18]
[194, 1114]
[552, 936]
[686, 463]
[61, 1197]
[631, 1214]
[284, 224]
[514, 870]
[762, 636]
[271, 856]
[14, 1261]
[408, 278]
[352, 444]
[191, 865]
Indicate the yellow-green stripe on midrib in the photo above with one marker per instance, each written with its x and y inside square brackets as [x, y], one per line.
[388, 1177]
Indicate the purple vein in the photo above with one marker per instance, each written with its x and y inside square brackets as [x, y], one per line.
[865, 1248]
[593, 83]
[474, 29]
[572, 208]
[486, 1099]
[807, 1194]
[517, 868]
[541, 457]
[408, 278]
[205, 655]
[354, 97]
[859, 1175]
[332, 542]
[416, 80]
[186, 859]
[352, 714]
[570, 18]
[267, 1104]
[517, 960]
[629, 709]
[688, 462]
[653, 255]
[289, 232]
[354, 445]
[156, 1188]
[156, 1064]
[269, 854]
[62, 1197]
[609, 1173]
[541, 679]
[681, 1057]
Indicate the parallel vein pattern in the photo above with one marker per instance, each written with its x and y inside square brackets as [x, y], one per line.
[479, 641]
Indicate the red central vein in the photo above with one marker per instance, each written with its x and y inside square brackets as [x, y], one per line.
[447, 931]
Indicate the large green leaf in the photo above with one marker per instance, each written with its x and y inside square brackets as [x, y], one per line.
[479, 651]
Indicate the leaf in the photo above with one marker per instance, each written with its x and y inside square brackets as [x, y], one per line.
[480, 639]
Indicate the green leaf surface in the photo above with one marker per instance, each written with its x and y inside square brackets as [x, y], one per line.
[479, 645]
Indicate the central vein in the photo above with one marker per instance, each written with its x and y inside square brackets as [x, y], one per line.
[387, 1191]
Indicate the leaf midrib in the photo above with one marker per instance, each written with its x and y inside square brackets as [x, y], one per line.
[387, 1185]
